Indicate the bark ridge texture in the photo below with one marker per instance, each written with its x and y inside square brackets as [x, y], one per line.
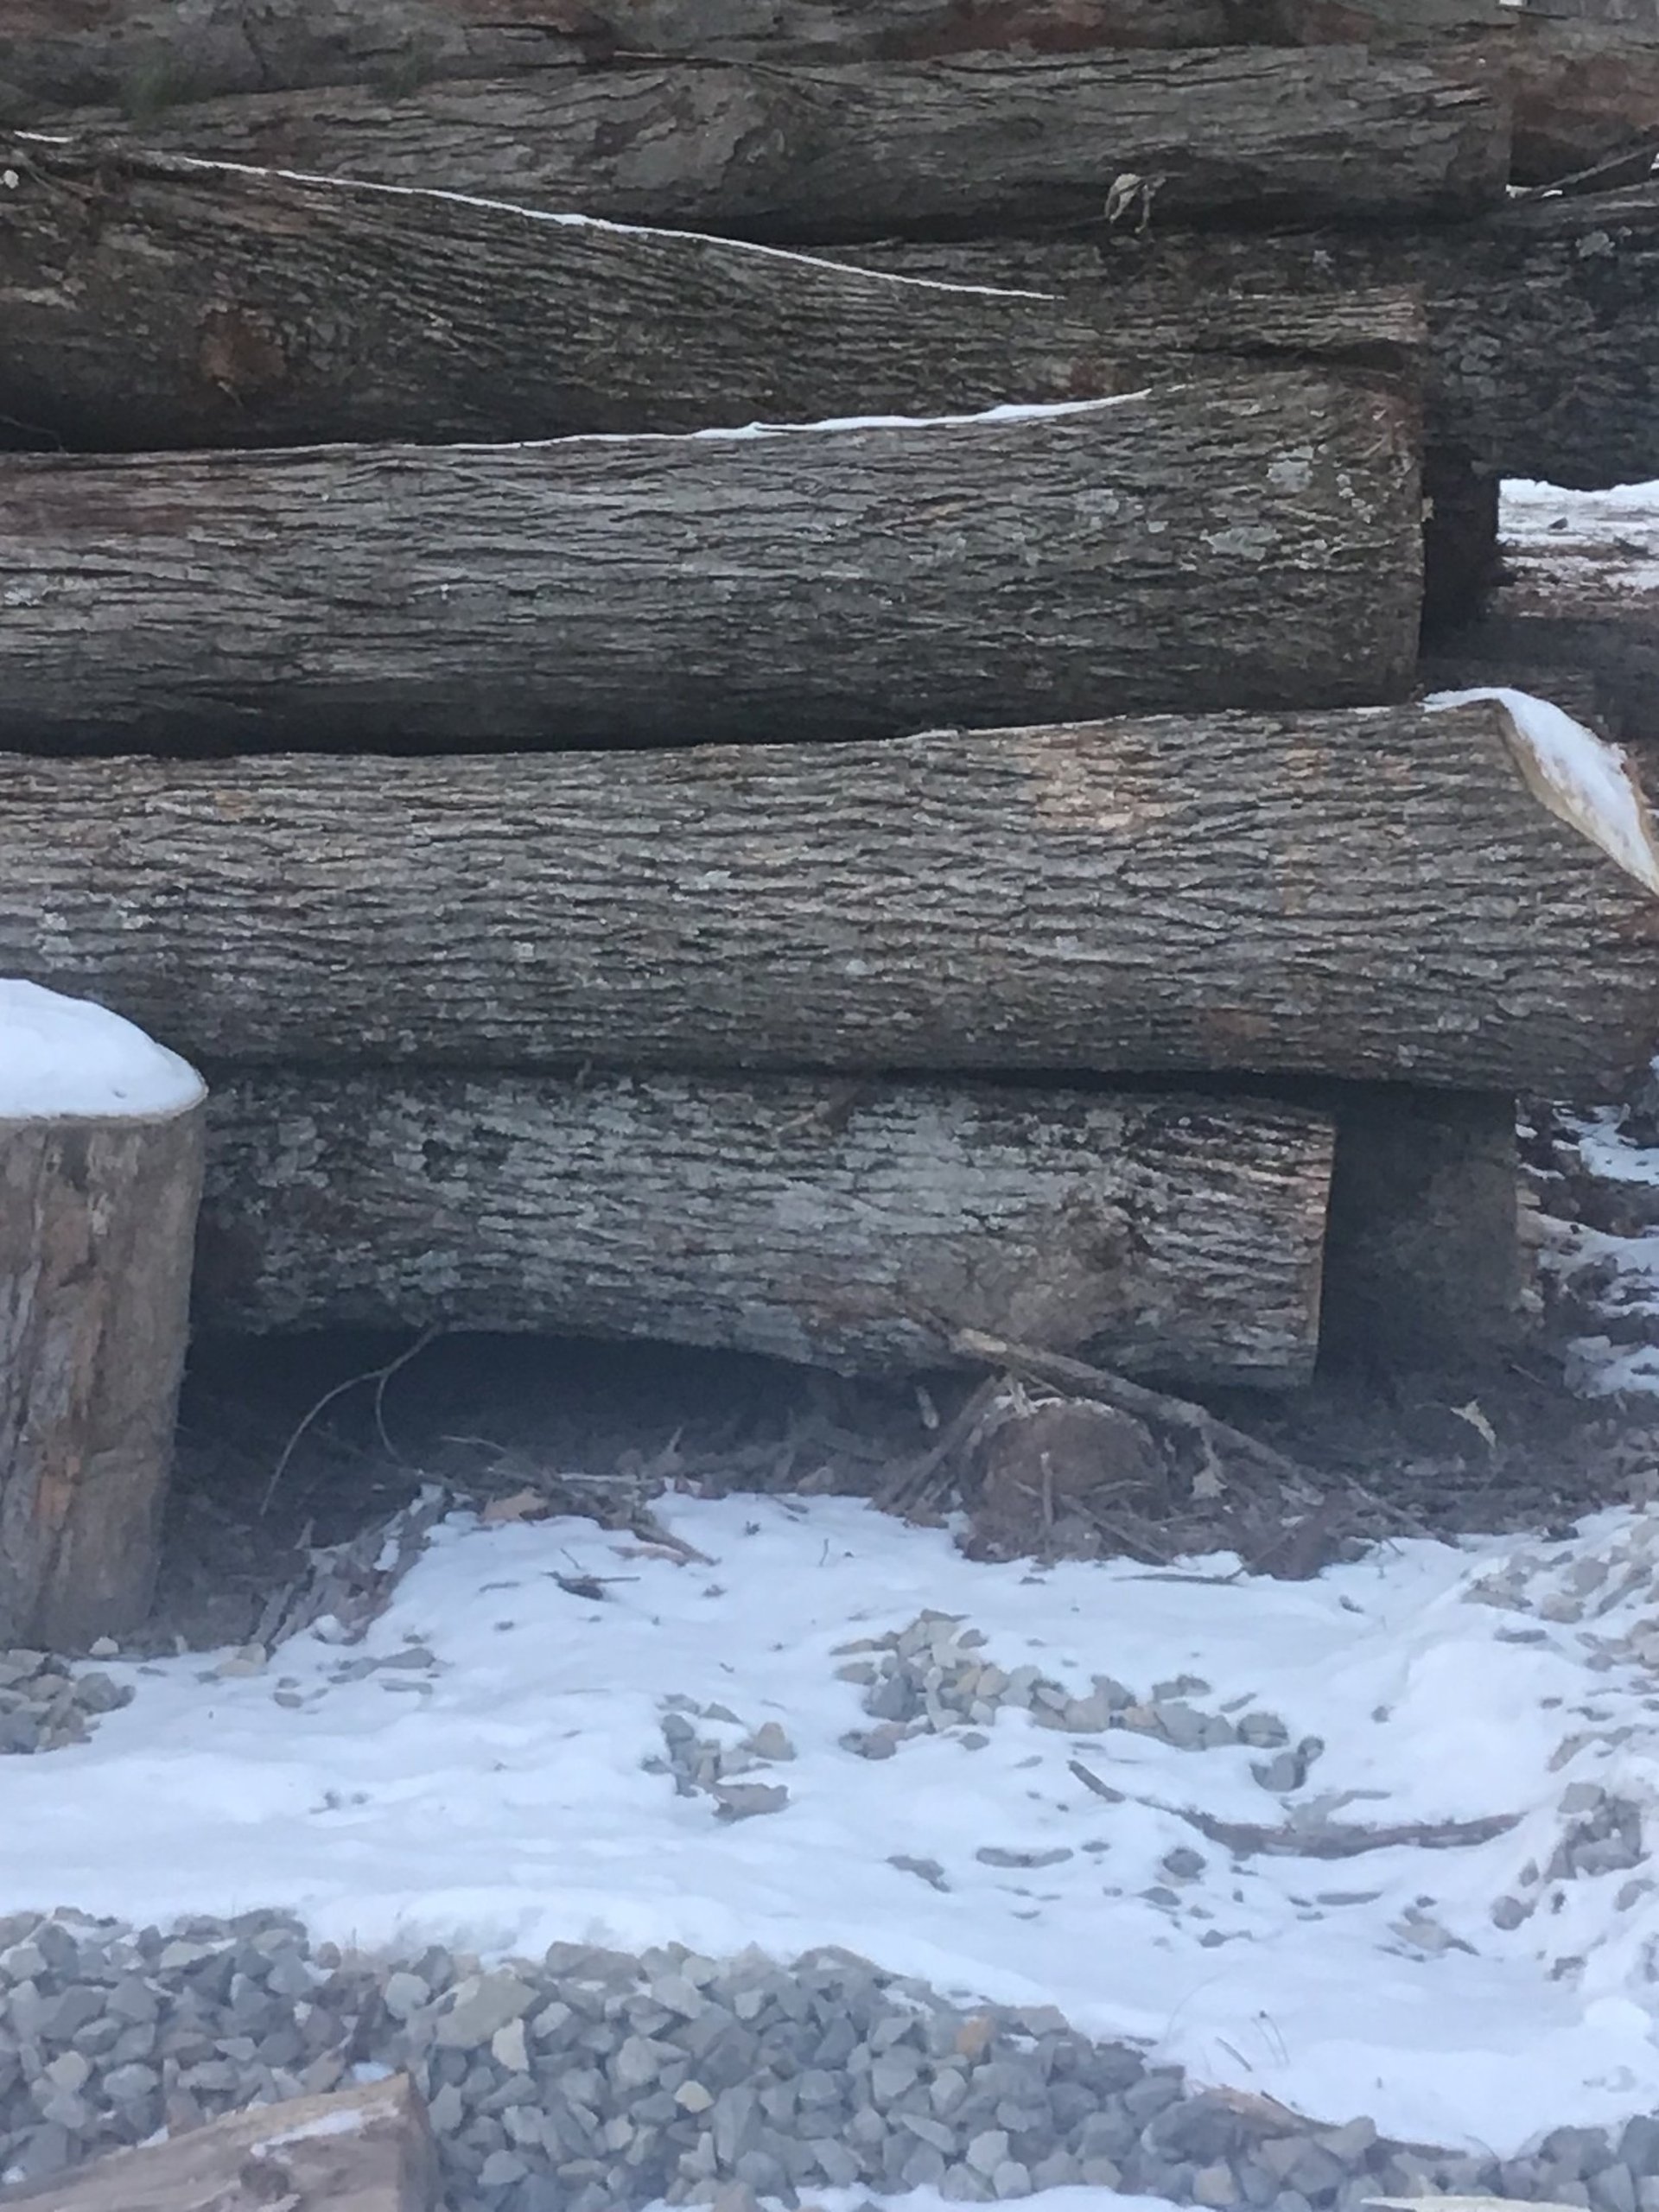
[981, 142]
[1375, 894]
[1243, 539]
[852, 1226]
[150, 300]
[1543, 318]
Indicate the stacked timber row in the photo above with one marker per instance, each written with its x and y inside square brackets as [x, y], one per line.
[736, 688]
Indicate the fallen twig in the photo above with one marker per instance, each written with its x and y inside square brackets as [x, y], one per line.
[380, 1376]
[1342, 1839]
[907, 1489]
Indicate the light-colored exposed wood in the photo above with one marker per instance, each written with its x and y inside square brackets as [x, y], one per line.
[97, 1227]
[360, 2150]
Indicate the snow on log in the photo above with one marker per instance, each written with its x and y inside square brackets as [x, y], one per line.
[1543, 318]
[100, 1167]
[1252, 538]
[1581, 590]
[850, 1225]
[1459, 896]
[366, 2149]
[281, 309]
[977, 142]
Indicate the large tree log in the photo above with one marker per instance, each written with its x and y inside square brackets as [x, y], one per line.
[1581, 89]
[978, 143]
[277, 309]
[100, 1167]
[1543, 318]
[851, 1226]
[1252, 539]
[362, 2150]
[1380, 893]
[152, 54]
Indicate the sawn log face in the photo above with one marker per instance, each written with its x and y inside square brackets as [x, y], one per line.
[1374, 894]
[853, 1226]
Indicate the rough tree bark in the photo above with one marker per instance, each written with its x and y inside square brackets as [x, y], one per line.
[1375, 894]
[978, 143]
[360, 2150]
[1582, 90]
[1245, 538]
[139, 53]
[97, 1221]
[149, 302]
[1543, 318]
[853, 1226]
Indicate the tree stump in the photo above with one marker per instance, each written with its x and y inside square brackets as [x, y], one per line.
[101, 1135]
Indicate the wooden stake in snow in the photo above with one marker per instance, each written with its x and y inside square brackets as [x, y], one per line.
[100, 1171]
[360, 2150]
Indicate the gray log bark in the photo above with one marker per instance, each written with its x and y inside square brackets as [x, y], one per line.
[845, 1225]
[977, 143]
[97, 1224]
[1250, 539]
[1376, 895]
[152, 55]
[149, 302]
[1582, 89]
[1543, 318]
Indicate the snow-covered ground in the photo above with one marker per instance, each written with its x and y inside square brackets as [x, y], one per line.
[476, 1772]
[1617, 1274]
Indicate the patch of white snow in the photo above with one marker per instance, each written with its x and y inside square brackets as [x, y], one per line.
[64, 1056]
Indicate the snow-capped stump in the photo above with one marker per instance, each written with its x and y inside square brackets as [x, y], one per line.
[367, 2149]
[101, 1135]
[1249, 538]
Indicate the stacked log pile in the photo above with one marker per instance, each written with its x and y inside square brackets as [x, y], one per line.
[751, 674]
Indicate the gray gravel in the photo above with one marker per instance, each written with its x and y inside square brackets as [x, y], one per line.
[931, 1677]
[590, 2081]
[46, 1703]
